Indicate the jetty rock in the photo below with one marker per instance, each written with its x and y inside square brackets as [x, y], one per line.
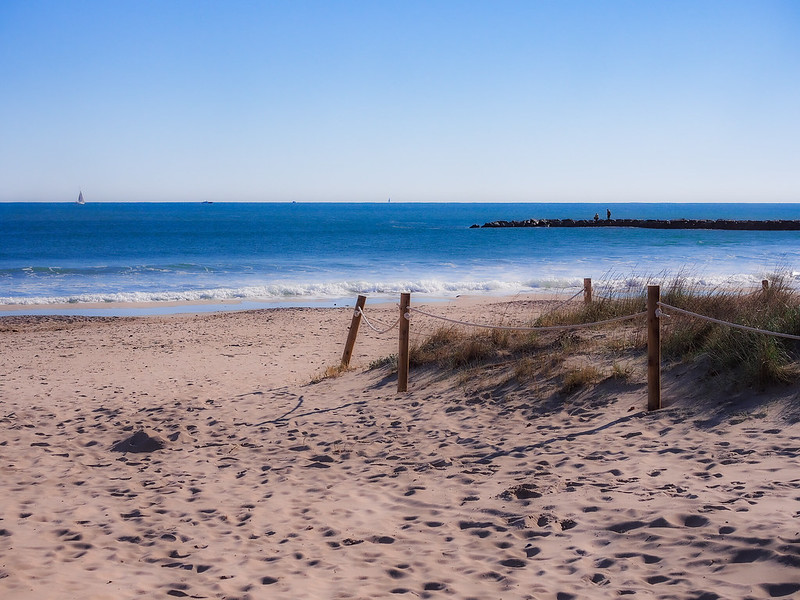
[722, 224]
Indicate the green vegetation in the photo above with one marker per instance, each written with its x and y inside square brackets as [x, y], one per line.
[330, 373]
[581, 377]
[390, 361]
[741, 357]
[748, 357]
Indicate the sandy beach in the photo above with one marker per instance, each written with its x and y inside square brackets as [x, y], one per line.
[272, 483]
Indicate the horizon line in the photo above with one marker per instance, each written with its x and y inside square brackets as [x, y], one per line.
[404, 202]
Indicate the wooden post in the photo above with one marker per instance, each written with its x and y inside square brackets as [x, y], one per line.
[587, 290]
[765, 284]
[351, 336]
[402, 351]
[653, 348]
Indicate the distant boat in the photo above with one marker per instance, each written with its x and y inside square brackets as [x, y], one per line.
[206, 202]
[80, 199]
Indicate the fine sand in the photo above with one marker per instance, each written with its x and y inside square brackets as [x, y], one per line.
[270, 486]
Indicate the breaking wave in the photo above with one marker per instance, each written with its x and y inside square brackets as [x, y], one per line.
[390, 289]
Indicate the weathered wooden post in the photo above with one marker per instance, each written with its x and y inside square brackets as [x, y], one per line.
[402, 352]
[587, 290]
[351, 336]
[653, 348]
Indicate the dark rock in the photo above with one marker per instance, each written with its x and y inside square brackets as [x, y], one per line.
[139, 442]
[720, 224]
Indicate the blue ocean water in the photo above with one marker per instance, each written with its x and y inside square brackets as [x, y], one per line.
[296, 253]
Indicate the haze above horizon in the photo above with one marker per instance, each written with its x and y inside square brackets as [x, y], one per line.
[571, 101]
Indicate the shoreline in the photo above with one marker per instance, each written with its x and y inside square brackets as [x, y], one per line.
[173, 307]
[144, 309]
[213, 306]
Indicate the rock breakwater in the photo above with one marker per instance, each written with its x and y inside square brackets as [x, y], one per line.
[723, 224]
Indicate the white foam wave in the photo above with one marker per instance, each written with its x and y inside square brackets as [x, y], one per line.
[342, 289]
[288, 291]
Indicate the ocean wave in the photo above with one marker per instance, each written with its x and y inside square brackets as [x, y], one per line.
[106, 270]
[289, 291]
[300, 291]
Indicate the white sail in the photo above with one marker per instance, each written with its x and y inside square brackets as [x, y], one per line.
[80, 199]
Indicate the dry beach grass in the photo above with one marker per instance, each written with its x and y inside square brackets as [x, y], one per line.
[493, 481]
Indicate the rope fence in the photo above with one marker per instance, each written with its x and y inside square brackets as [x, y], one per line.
[375, 329]
[687, 313]
[518, 328]
[561, 305]
[656, 311]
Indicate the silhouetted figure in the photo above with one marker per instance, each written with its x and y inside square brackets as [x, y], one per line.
[596, 217]
[608, 214]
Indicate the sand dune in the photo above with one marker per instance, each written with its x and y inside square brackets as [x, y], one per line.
[271, 487]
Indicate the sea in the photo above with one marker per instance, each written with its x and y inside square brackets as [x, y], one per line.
[154, 258]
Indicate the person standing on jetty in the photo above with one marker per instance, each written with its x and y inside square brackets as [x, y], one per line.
[608, 214]
[596, 217]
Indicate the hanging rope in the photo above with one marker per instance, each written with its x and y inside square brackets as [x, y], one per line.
[560, 305]
[514, 328]
[734, 325]
[375, 329]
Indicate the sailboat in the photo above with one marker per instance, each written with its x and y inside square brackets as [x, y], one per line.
[80, 199]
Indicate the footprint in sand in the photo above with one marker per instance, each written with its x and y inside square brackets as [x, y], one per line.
[433, 586]
[780, 590]
[531, 551]
[695, 521]
[626, 526]
[384, 539]
[513, 562]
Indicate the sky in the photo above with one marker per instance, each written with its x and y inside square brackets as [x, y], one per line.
[296, 100]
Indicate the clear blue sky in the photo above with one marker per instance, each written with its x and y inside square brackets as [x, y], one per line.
[535, 101]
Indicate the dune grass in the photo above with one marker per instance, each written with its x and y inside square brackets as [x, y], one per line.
[741, 357]
[747, 357]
